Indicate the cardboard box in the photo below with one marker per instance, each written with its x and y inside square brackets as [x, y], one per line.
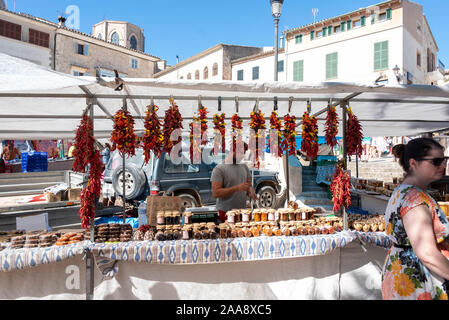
[74, 194]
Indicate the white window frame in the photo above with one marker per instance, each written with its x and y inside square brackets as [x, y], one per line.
[134, 63]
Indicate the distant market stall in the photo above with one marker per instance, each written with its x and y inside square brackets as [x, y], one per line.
[51, 105]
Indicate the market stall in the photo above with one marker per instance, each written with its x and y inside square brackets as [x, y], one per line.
[316, 260]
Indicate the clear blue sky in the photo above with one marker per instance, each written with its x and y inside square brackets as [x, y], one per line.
[184, 28]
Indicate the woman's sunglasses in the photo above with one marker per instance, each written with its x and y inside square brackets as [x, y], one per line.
[437, 161]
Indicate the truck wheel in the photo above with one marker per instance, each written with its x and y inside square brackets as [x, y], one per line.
[267, 197]
[188, 201]
[134, 181]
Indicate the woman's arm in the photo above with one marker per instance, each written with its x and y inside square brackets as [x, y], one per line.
[419, 227]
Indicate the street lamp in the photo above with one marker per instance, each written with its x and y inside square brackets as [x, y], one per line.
[276, 8]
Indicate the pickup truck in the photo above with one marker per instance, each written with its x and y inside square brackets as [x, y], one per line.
[190, 182]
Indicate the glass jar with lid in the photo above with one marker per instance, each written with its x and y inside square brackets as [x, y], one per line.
[187, 232]
[168, 233]
[160, 236]
[264, 215]
[160, 216]
[205, 234]
[246, 216]
[197, 234]
[176, 217]
[223, 229]
[231, 216]
[188, 218]
[257, 215]
[177, 234]
[168, 218]
[271, 215]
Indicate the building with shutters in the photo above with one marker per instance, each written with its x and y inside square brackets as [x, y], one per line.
[70, 51]
[361, 46]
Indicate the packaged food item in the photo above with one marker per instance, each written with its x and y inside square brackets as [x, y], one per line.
[238, 216]
[257, 215]
[374, 227]
[187, 232]
[366, 227]
[291, 215]
[176, 217]
[168, 218]
[168, 233]
[246, 216]
[187, 218]
[231, 216]
[303, 231]
[310, 231]
[177, 234]
[205, 234]
[286, 232]
[382, 227]
[233, 233]
[160, 218]
[248, 233]
[212, 231]
[294, 232]
[264, 215]
[283, 215]
[324, 230]
[331, 230]
[271, 215]
[223, 229]
[255, 231]
[197, 234]
[240, 233]
[160, 236]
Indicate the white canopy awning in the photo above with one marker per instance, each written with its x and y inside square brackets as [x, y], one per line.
[36, 103]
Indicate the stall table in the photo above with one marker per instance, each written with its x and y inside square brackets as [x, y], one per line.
[373, 203]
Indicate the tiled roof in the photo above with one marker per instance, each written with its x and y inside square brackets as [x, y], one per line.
[56, 25]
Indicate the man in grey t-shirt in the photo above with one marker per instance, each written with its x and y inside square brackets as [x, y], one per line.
[231, 184]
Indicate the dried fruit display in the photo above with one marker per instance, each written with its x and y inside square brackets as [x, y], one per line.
[257, 124]
[289, 141]
[153, 138]
[341, 189]
[309, 144]
[354, 135]
[172, 121]
[331, 129]
[220, 133]
[123, 136]
[275, 140]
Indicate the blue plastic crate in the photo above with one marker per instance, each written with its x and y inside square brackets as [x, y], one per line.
[34, 162]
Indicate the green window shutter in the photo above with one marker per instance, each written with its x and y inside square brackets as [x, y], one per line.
[329, 30]
[373, 18]
[349, 24]
[86, 49]
[298, 71]
[298, 38]
[381, 53]
[389, 13]
[312, 35]
[324, 32]
[332, 66]
[363, 21]
[343, 25]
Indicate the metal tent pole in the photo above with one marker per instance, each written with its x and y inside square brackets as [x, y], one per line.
[89, 258]
[345, 156]
[124, 174]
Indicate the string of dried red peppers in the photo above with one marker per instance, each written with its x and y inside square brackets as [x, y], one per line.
[309, 144]
[275, 140]
[341, 189]
[172, 121]
[237, 127]
[84, 143]
[152, 140]
[354, 135]
[257, 124]
[195, 135]
[331, 129]
[123, 136]
[289, 141]
[220, 133]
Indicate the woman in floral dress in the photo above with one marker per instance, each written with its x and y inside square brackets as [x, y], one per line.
[417, 266]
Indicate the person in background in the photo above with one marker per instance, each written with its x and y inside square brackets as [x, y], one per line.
[10, 152]
[231, 184]
[417, 265]
[106, 153]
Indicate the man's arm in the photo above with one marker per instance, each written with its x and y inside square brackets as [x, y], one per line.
[219, 192]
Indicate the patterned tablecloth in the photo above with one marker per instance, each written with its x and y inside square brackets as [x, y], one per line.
[324, 174]
[17, 259]
[189, 252]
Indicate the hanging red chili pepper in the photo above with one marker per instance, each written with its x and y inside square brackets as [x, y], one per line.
[309, 144]
[152, 140]
[341, 189]
[257, 124]
[220, 133]
[84, 143]
[354, 135]
[123, 136]
[289, 141]
[237, 127]
[172, 121]
[87, 210]
[331, 130]
[203, 120]
[275, 135]
[195, 138]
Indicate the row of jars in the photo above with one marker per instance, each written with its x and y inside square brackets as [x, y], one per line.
[170, 217]
[295, 214]
[268, 215]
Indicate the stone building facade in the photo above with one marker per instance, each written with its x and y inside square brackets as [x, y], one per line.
[70, 51]
[121, 33]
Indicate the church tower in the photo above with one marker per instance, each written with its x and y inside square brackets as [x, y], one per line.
[2, 4]
[120, 32]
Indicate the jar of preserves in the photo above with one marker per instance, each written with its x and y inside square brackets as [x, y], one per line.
[264, 216]
[177, 235]
[271, 215]
[246, 216]
[187, 232]
[302, 231]
[240, 233]
[298, 215]
[233, 233]
[160, 233]
[257, 216]
[176, 217]
[168, 218]
[324, 230]
[205, 234]
[197, 234]
[255, 231]
[294, 232]
[277, 232]
[283, 216]
[291, 215]
[168, 233]
[223, 231]
[248, 233]
[160, 218]
[286, 232]
[238, 216]
[311, 231]
[187, 218]
[231, 216]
